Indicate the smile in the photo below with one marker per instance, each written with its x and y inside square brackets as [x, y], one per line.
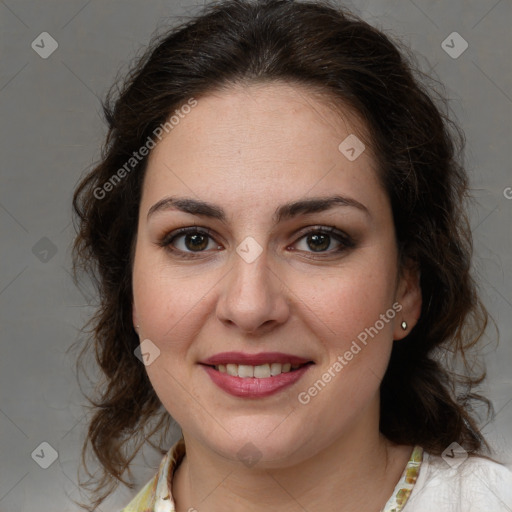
[261, 371]
[255, 375]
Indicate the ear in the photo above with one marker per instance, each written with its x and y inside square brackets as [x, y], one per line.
[409, 297]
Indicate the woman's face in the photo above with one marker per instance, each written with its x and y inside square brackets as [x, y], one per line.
[290, 258]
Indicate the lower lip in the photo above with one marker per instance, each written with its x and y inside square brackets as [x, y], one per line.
[252, 387]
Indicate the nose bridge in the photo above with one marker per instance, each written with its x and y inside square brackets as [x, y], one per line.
[253, 294]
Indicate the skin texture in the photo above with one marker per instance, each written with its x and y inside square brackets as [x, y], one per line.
[249, 150]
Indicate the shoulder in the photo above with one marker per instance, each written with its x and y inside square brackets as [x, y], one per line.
[465, 484]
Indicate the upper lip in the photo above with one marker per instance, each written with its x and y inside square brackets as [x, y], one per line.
[254, 359]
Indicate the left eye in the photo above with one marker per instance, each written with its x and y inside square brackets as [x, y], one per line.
[322, 241]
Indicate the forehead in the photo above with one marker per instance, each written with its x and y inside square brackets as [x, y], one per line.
[262, 138]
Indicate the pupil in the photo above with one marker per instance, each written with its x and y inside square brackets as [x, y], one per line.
[196, 242]
[319, 242]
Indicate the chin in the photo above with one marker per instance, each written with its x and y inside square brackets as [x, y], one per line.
[258, 443]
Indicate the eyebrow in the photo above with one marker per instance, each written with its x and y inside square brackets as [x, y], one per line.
[284, 212]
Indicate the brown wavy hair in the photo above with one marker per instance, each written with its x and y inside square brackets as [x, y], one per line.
[424, 400]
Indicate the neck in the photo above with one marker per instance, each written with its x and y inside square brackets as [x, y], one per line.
[357, 471]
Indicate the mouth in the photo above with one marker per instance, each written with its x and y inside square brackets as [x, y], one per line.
[262, 371]
[255, 375]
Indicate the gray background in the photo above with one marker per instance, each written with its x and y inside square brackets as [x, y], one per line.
[52, 131]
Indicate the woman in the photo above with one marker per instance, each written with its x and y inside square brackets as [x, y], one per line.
[278, 234]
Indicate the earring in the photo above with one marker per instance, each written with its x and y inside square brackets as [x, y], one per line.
[404, 325]
[137, 327]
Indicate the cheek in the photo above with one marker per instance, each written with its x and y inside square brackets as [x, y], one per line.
[167, 310]
[172, 307]
[167, 302]
[161, 305]
[353, 315]
[347, 303]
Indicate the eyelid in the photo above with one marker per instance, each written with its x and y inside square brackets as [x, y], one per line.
[167, 240]
[346, 241]
[320, 228]
[325, 229]
[168, 237]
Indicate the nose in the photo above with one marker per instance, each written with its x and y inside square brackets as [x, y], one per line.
[253, 298]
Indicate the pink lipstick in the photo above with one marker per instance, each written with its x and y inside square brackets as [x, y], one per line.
[255, 375]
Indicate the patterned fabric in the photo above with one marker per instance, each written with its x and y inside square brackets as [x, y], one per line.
[406, 483]
[156, 495]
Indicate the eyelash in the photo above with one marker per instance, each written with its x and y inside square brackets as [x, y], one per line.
[345, 241]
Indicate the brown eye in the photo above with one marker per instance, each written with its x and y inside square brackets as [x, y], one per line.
[324, 240]
[196, 242]
[187, 241]
[318, 242]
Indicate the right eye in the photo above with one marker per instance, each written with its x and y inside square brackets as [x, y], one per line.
[188, 241]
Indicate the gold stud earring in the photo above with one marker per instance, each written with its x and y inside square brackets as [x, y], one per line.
[404, 325]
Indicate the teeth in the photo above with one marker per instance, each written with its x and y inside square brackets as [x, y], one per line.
[262, 371]
[232, 369]
[244, 371]
[275, 369]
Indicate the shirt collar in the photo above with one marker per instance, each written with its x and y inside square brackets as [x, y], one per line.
[164, 501]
